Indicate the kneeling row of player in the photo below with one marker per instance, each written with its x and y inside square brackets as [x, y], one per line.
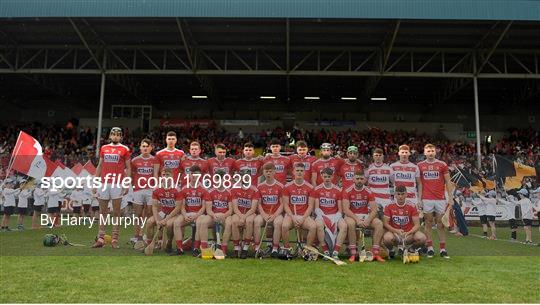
[248, 209]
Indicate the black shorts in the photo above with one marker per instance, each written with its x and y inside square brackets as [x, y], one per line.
[513, 223]
[77, 210]
[483, 219]
[53, 210]
[22, 211]
[8, 210]
[38, 208]
[95, 208]
[86, 207]
[490, 218]
[527, 222]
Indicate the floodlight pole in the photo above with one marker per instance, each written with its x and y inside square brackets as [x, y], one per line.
[477, 117]
[101, 101]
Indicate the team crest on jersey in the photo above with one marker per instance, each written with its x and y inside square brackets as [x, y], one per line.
[327, 202]
[404, 176]
[378, 179]
[167, 202]
[193, 201]
[400, 219]
[243, 202]
[111, 158]
[358, 203]
[220, 204]
[270, 199]
[298, 199]
[431, 175]
[171, 163]
[145, 170]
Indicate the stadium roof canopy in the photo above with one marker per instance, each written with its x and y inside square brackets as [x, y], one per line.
[428, 51]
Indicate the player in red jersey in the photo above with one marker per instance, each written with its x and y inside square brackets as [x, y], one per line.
[220, 161]
[435, 180]
[401, 221]
[406, 173]
[282, 163]
[143, 167]
[298, 207]
[326, 161]
[326, 200]
[218, 210]
[166, 206]
[114, 164]
[244, 201]
[249, 165]
[349, 167]
[270, 208]
[194, 158]
[171, 157]
[360, 210]
[379, 176]
[303, 157]
[194, 201]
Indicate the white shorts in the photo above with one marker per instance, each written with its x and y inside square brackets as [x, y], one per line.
[109, 192]
[439, 206]
[141, 197]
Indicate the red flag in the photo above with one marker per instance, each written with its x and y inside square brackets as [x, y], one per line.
[90, 168]
[77, 168]
[27, 156]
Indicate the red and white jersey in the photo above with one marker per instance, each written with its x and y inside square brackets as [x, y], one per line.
[378, 179]
[141, 169]
[171, 159]
[346, 172]
[401, 217]
[270, 196]
[405, 174]
[282, 164]
[226, 165]
[221, 199]
[328, 198]
[298, 196]
[194, 198]
[318, 165]
[432, 177]
[245, 197]
[358, 199]
[166, 198]
[307, 160]
[190, 161]
[114, 162]
[251, 165]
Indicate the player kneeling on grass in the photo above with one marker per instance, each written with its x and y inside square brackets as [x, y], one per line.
[166, 206]
[270, 208]
[326, 199]
[401, 222]
[298, 207]
[360, 211]
[218, 210]
[244, 203]
[194, 198]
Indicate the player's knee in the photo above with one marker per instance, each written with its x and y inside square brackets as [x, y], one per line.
[342, 226]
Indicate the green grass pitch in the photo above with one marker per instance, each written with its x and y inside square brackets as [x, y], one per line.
[480, 271]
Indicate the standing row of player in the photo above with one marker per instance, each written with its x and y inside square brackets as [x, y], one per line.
[427, 186]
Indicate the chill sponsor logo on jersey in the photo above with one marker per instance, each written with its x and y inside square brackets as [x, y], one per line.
[145, 170]
[169, 202]
[404, 176]
[357, 203]
[193, 201]
[252, 170]
[270, 199]
[327, 202]
[243, 202]
[378, 179]
[307, 165]
[280, 168]
[349, 175]
[431, 175]
[298, 199]
[171, 163]
[111, 158]
[224, 169]
[220, 204]
[400, 219]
